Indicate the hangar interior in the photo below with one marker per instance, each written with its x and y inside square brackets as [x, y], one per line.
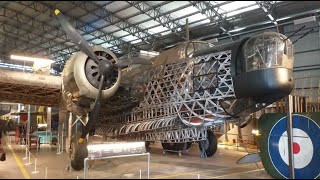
[210, 89]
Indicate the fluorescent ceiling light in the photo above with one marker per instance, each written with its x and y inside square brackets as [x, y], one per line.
[237, 30]
[304, 20]
[25, 58]
[235, 5]
[242, 10]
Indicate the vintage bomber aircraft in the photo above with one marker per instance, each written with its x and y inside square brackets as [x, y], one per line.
[176, 98]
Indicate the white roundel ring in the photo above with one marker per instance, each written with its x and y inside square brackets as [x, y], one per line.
[306, 147]
[302, 155]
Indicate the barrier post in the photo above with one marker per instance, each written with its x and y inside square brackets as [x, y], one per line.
[35, 167]
[26, 157]
[148, 165]
[58, 149]
[27, 164]
[46, 173]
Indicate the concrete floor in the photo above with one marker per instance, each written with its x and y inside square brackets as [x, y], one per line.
[188, 166]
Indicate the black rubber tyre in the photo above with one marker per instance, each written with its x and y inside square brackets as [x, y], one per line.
[168, 146]
[210, 145]
[147, 144]
[79, 152]
[179, 146]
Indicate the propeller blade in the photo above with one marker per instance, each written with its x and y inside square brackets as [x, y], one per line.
[75, 36]
[95, 112]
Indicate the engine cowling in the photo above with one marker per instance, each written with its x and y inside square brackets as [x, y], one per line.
[81, 78]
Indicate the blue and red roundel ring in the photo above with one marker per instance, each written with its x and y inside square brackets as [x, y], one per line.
[306, 147]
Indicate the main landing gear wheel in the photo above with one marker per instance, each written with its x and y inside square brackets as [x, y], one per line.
[209, 145]
[168, 146]
[174, 146]
[78, 153]
[178, 147]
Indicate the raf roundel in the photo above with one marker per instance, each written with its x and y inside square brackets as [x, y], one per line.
[306, 150]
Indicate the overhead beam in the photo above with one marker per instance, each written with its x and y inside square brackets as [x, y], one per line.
[266, 6]
[36, 34]
[113, 19]
[86, 28]
[163, 19]
[211, 11]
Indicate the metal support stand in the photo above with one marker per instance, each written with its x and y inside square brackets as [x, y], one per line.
[165, 150]
[290, 137]
[62, 138]
[86, 167]
[28, 128]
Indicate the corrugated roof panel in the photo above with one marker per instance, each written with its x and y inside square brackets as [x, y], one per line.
[127, 12]
[111, 29]
[15, 6]
[97, 41]
[149, 24]
[101, 3]
[234, 5]
[242, 10]
[100, 23]
[81, 32]
[173, 5]
[138, 18]
[153, 3]
[129, 38]
[166, 33]
[29, 12]
[64, 6]
[136, 41]
[157, 29]
[88, 36]
[43, 18]
[120, 33]
[77, 12]
[55, 23]
[116, 6]
[216, 2]
[196, 17]
[184, 12]
[89, 18]
[106, 45]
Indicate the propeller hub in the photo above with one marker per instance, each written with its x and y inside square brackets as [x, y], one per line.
[106, 68]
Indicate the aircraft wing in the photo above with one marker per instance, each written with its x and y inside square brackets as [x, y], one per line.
[30, 88]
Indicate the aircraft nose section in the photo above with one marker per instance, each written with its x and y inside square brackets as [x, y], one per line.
[264, 82]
